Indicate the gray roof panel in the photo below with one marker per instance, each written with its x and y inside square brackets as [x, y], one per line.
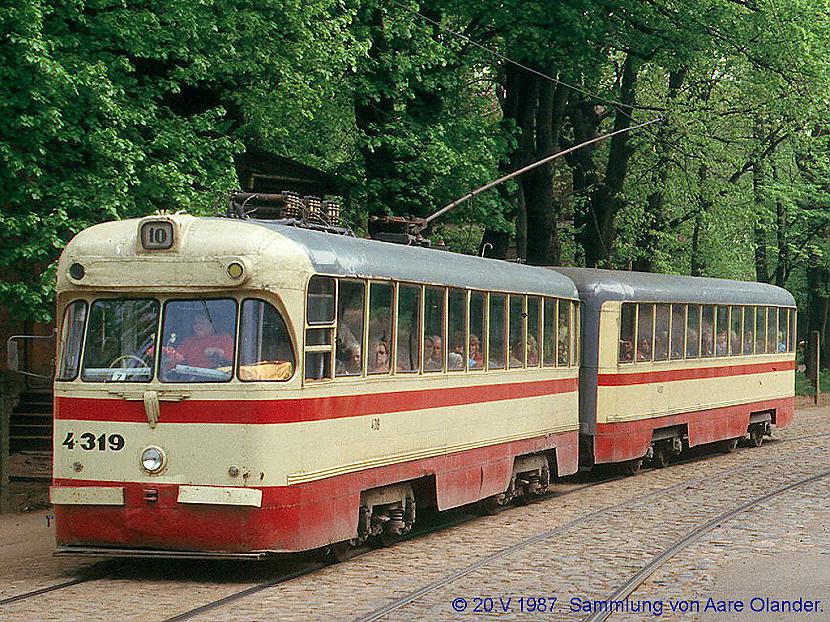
[602, 285]
[339, 255]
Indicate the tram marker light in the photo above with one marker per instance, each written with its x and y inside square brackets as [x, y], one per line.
[77, 271]
[236, 270]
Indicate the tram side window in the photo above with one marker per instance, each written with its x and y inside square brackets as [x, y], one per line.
[722, 336]
[661, 332]
[319, 342]
[749, 330]
[478, 309]
[678, 331]
[707, 332]
[645, 318]
[380, 328]
[563, 334]
[772, 320]
[549, 326]
[72, 335]
[434, 329]
[626, 346]
[533, 327]
[348, 358]
[320, 305]
[575, 333]
[517, 331]
[120, 340]
[781, 345]
[495, 342]
[693, 332]
[409, 329]
[735, 337]
[791, 314]
[265, 350]
[760, 329]
[456, 329]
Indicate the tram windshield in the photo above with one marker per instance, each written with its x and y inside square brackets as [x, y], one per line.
[198, 340]
[119, 340]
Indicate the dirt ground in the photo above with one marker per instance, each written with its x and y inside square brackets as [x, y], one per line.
[31, 473]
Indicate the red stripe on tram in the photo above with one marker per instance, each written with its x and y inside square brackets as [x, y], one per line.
[695, 373]
[308, 409]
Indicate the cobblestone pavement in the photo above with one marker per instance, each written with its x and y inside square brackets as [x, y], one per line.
[604, 534]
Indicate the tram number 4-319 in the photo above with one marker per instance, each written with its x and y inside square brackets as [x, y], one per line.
[89, 441]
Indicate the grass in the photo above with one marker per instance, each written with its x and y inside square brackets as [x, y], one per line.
[803, 386]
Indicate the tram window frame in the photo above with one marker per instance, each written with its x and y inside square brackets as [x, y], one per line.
[628, 338]
[693, 310]
[441, 298]
[319, 336]
[550, 325]
[388, 336]
[645, 332]
[721, 331]
[678, 331]
[513, 361]
[661, 354]
[760, 336]
[576, 327]
[563, 343]
[341, 369]
[477, 364]
[537, 335]
[736, 312]
[711, 332]
[418, 324]
[72, 341]
[792, 315]
[457, 300]
[782, 345]
[749, 331]
[239, 346]
[493, 299]
[772, 322]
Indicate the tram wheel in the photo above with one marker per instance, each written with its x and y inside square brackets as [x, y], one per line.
[729, 446]
[756, 436]
[661, 457]
[632, 467]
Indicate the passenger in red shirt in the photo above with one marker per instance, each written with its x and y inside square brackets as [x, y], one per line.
[205, 348]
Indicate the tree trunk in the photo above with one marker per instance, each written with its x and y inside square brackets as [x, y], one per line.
[782, 266]
[606, 201]
[761, 265]
[698, 266]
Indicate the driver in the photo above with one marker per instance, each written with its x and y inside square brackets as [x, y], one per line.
[205, 348]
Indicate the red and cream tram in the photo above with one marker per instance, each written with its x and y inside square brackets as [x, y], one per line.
[671, 362]
[239, 387]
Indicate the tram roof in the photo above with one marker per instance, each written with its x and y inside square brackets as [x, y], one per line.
[339, 255]
[601, 285]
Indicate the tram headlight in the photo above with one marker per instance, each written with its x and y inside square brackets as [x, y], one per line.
[152, 459]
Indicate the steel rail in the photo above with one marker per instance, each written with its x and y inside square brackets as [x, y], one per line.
[447, 579]
[627, 588]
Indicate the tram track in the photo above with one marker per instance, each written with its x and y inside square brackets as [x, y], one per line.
[311, 568]
[631, 585]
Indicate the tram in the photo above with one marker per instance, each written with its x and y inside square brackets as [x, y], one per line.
[232, 387]
[671, 362]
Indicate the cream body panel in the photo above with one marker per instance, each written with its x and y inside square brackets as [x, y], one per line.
[658, 399]
[282, 454]
[86, 495]
[220, 495]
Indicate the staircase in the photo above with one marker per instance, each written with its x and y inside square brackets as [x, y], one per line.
[30, 424]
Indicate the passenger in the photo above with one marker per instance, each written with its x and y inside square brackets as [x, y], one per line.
[205, 348]
[455, 358]
[476, 357]
[721, 345]
[692, 343]
[349, 360]
[517, 355]
[434, 351]
[381, 363]
[644, 350]
[782, 342]
[532, 351]
[626, 351]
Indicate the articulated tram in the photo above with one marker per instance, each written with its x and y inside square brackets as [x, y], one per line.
[238, 387]
[234, 387]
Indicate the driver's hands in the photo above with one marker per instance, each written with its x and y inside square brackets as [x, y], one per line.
[214, 352]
